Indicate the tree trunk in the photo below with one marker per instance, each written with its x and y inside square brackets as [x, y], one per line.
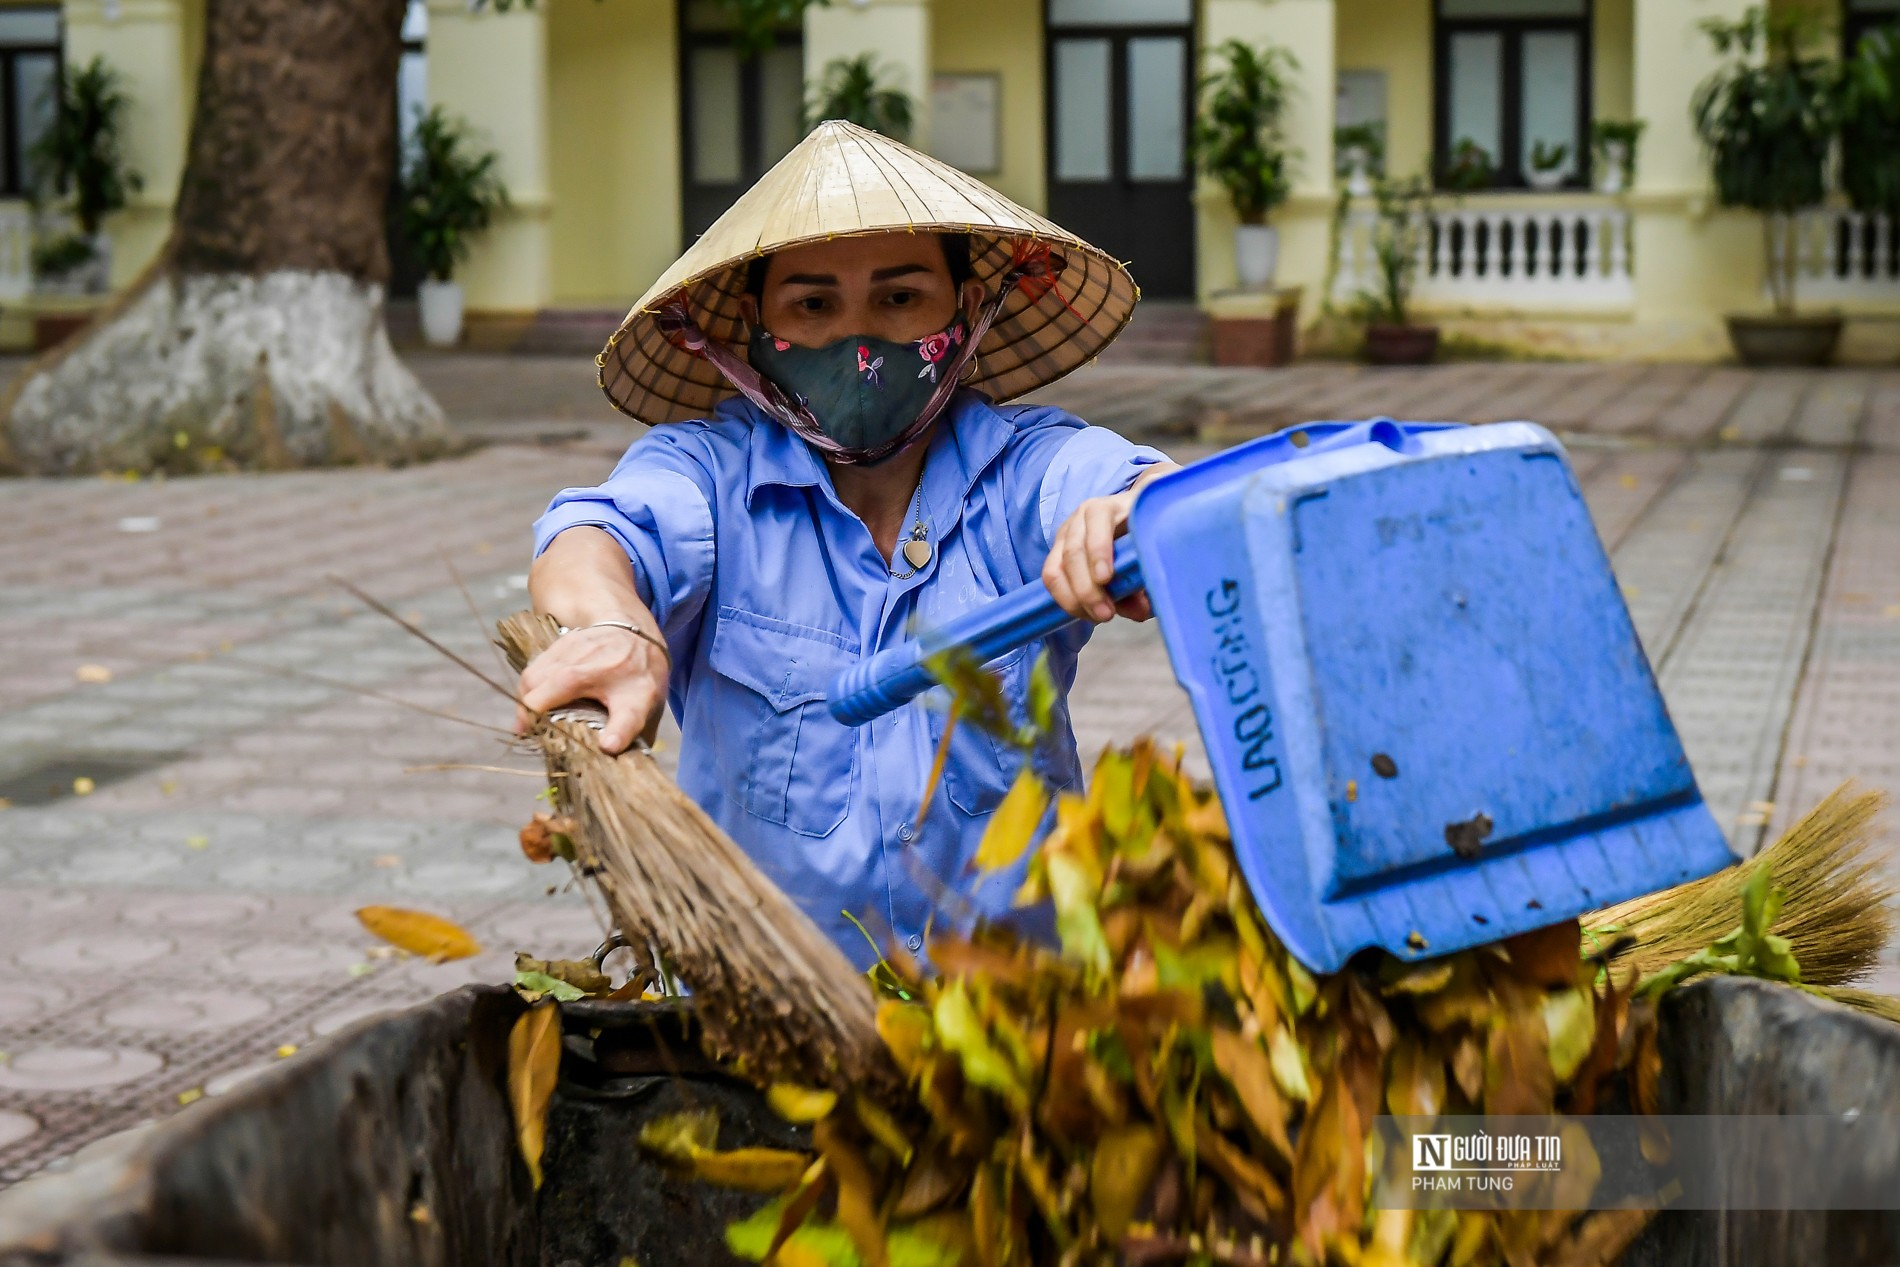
[257, 338]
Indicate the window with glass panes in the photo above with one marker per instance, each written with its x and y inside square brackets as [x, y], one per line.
[740, 113]
[412, 72]
[1512, 74]
[29, 70]
[1120, 76]
[412, 102]
[1861, 16]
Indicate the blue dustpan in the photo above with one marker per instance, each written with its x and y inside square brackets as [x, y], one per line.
[1425, 706]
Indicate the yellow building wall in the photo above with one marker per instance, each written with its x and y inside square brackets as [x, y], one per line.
[1305, 28]
[1611, 84]
[613, 148]
[156, 46]
[1002, 37]
[489, 68]
[1395, 37]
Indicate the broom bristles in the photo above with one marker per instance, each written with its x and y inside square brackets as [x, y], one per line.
[770, 988]
[1885, 1006]
[1836, 915]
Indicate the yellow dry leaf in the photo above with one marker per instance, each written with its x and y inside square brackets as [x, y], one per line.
[799, 1104]
[677, 1136]
[1570, 1019]
[1415, 1082]
[749, 1169]
[883, 1128]
[534, 1066]
[1289, 1066]
[419, 932]
[857, 1193]
[1120, 1174]
[1014, 823]
[799, 1254]
[95, 673]
[83, 786]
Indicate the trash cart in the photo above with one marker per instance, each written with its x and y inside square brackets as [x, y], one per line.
[392, 1145]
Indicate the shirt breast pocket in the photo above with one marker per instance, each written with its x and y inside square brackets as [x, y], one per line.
[784, 759]
[981, 768]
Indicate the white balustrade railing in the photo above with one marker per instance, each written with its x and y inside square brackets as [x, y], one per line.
[16, 251]
[1544, 257]
[1845, 255]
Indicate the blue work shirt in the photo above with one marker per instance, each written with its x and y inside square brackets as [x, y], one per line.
[766, 587]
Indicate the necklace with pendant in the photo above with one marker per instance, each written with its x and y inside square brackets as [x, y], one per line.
[916, 550]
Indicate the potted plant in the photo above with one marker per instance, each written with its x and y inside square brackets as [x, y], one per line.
[1870, 124]
[852, 89]
[1239, 143]
[1398, 236]
[1359, 155]
[78, 170]
[449, 194]
[1469, 168]
[1550, 166]
[1614, 144]
[1767, 119]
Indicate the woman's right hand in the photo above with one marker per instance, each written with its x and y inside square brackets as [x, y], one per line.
[614, 667]
[581, 578]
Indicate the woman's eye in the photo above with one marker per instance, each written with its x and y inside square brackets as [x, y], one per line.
[811, 303]
[902, 299]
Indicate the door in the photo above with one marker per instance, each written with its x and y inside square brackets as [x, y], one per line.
[740, 113]
[1514, 80]
[1121, 97]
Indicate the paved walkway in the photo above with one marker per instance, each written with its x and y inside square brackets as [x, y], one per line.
[172, 931]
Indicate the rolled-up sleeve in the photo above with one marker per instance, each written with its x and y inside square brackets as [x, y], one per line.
[1092, 462]
[1053, 464]
[658, 504]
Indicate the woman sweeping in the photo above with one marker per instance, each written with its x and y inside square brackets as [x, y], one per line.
[829, 471]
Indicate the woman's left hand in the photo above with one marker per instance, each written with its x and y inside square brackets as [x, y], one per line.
[1082, 557]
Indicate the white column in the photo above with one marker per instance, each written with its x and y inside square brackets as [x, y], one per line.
[1305, 28]
[491, 69]
[1691, 260]
[895, 32]
[148, 43]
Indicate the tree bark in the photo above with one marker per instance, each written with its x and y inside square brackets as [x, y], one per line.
[257, 339]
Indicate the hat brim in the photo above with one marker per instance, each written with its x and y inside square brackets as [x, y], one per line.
[1039, 336]
[842, 182]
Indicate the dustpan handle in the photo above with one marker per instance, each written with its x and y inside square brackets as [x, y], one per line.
[889, 679]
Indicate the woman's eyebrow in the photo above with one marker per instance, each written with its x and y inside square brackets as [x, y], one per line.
[899, 270]
[809, 279]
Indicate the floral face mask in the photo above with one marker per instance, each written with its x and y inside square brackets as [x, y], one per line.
[864, 392]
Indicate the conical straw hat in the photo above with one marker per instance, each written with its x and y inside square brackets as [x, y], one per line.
[840, 181]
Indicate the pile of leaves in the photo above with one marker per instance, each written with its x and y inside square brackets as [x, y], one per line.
[1170, 1085]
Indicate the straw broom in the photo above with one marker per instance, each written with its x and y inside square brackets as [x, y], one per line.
[1836, 916]
[773, 993]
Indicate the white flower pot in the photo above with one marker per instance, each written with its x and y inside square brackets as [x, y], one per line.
[441, 310]
[98, 274]
[1612, 172]
[1358, 164]
[1256, 255]
[94, 277]
[1552, 179]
